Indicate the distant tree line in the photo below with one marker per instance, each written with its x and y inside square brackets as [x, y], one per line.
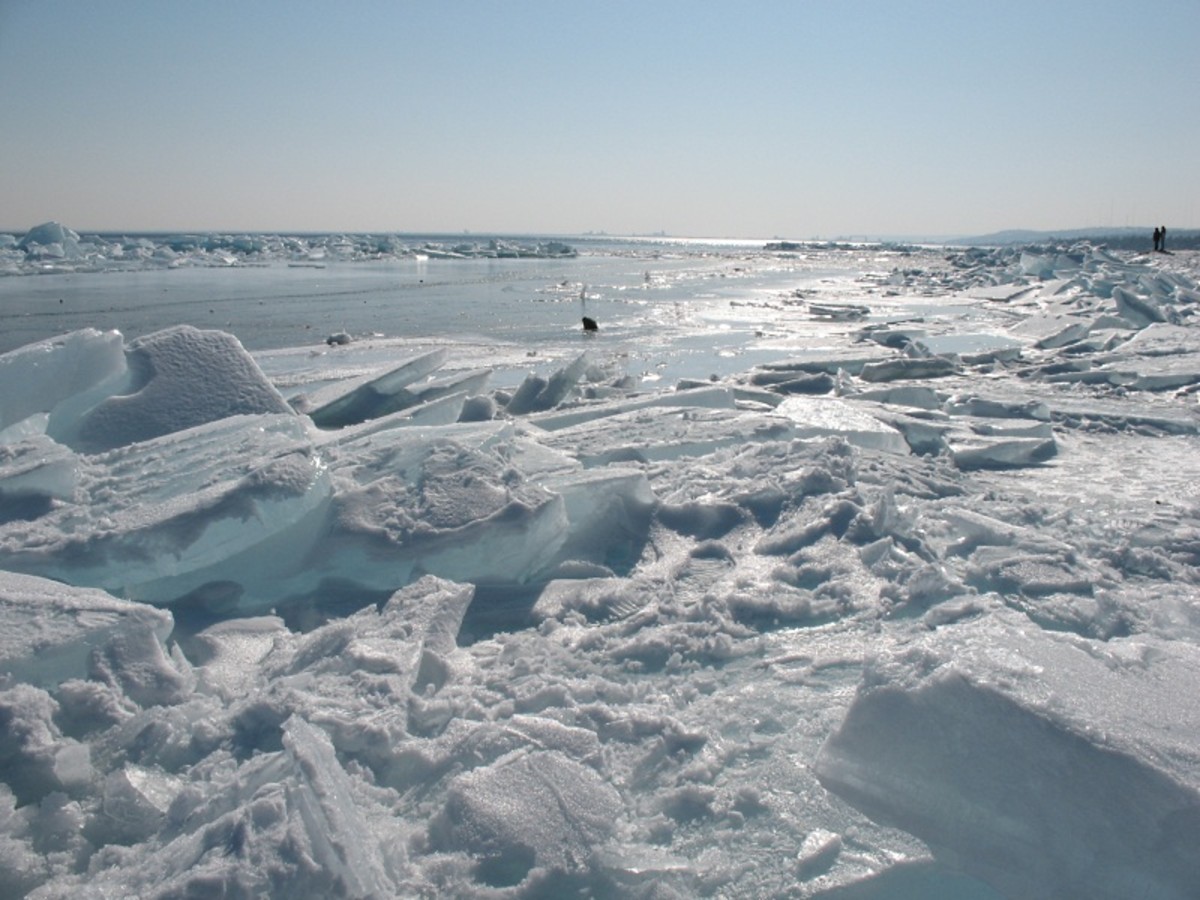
[1176, 240]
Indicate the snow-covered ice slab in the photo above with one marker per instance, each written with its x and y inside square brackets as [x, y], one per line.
[540, 809]
[827, 417]
[974, 346]
[32, 473]
[446, 501]
[49, 630]
[1046, 764]
[665, 433]
[231, 505]
[178, 378]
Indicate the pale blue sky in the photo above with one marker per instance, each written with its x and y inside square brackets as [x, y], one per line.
[751, 119]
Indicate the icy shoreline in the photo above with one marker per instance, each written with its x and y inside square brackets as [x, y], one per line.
[54, 248]
[912, 607]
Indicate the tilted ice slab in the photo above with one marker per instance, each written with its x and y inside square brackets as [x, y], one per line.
[34, 472]
[229, 505]
[378, 396]
[1049, 332]
[39, 377]
[1000, 444]
[48, 630]
[538, 393]
[1159, 357]
[1045, 764]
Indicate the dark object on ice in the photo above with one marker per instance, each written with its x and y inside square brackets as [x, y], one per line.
[339, 339]
[589, 324]
[1157, 239]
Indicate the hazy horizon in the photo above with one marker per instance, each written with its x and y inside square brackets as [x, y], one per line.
[768, 119]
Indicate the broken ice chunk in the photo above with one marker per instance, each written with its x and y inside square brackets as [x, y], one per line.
[538, 809]
[48, 630]
[340, 839]
[1044, 764]
[378, 397]
[828, 417]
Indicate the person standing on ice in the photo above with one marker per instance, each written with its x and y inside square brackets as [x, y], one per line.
[1162, 238]
[1157, 239]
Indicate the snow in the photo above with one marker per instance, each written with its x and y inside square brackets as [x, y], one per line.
[900, 601]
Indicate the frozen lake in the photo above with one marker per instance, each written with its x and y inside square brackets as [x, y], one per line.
[843, 573]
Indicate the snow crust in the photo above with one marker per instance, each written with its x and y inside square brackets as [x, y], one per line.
[876, 618]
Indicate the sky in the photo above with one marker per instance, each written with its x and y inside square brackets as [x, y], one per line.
[755, 118]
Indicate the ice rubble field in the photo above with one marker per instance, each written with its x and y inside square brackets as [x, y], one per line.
[910, 613]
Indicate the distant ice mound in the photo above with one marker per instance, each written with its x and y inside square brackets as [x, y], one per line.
[51, 241]
[52, 247]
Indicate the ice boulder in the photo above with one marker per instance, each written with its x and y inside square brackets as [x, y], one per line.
[1045, 764]
[179, 378]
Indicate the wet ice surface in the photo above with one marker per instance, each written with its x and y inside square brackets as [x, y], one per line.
[863, 585]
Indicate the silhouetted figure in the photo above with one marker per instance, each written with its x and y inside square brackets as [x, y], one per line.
[1157, 239]
[1162, 239]
[590, 324]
